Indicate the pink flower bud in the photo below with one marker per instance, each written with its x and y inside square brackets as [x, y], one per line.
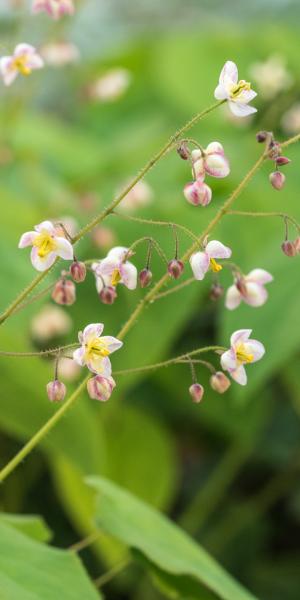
[56, 390]
[277, 180]
[64, 292]
[100, 388]
[219, 382]
[261, 136]
[175, 268]
[288, 248]
[145, 277]
[78, 271]
[196, 391]
[216, 291]
[282, 160]
[297, 244]
[183, 151]
[108, 294]
[197, 193]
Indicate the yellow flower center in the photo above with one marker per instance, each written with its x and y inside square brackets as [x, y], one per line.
[116, 277]
[19, 63]
[97, 347]
[45, 243]
[242, 356]
[239, 87]
[215, 267]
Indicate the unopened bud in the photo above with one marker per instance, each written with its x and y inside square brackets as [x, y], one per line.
[196, 391]
[297, 244]
[241, 285]
[78, 271]
[282, 160]
[197, 193]
[100, 388]
[64, 292]
[175, 268]
[261, 136]
[274, 150]
[216, 291]
[288, 248]
[219, 382]
[145, 277]
[108, 294]
[277, 180]
[183, 151]
[56, 390]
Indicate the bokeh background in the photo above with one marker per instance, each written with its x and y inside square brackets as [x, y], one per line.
[227, 470]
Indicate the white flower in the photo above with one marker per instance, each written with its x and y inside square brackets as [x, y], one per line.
[243, 351]
[95, 350]
[250, 289]
[212, 161]
[24, 60]
[115, 269]
[54, 8]
[201, 262]
[46, 245]
[238, 93]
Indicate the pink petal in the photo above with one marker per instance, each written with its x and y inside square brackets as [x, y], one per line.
[214, 147]
[259, 276]
[200, 264]
[217, 165]
[27, 239]
[233, 298]
[111, 343]
[198, 169]
[46, 226]
[256, 295]
[42, 263]
[107, 266]
[240, 336]
[78, 356]
[228, 360]
[241, 110]
[24, 50]
[215, 249]
[64, 248]
[35, 61]
[91, 332]
[129, 275]
[239, 375]
[8, 72]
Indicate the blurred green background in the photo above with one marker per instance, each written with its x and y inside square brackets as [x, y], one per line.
[227, 470]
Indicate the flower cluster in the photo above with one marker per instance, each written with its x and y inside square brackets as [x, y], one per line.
[210, 161]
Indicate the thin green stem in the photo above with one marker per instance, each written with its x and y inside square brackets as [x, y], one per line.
[115, 570]
[176, 288]
[187, 231]
[248, 213]
[292, 140]
[41, 353]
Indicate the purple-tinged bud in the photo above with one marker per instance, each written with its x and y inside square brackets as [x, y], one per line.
[100, 388]
[241, 285]
[216, 291]
[196, 391]
[183, 151]
[219, 382]
[282, 160]
[261, 136]
[56, 390]
[64, 292]
[175, 268]
[277, 180]
[108, 294]
[274, 150]
[145, 277]
[297, 244]
[78, 271]
[197, 193]
[288, 248]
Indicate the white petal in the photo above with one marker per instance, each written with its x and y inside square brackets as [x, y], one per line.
[233, 297]
[24, 49]
[46, 226]
[256, 295]
[99, 365]
[215, 249]
[64, 248]
[200, 264]
[107, 266]
[245, 96]
[217, 165]
[129, 275]
[198, 169]
[111, 343]
[241, 110]
[229, 74]
[99, 284]
[42, 263]
[91, 332]
[35, 61]
[8, 72]
[221, 93]
[240, 336]
[259, 276]
[78, 356]
[255, 348]
[27, 239]
[214, 147]
[228, 360]
[239, 375]
[117, 253]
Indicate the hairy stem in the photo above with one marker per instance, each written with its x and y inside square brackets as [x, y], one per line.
[248, 213]
[41, 353]
[187, 231]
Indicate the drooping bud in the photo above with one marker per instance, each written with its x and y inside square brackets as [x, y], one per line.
[78, 271]
[277, 180]
[282, 160]
[197, 193]
[108, 294]
[219, 382]
[145, 277]
[288, 248]
[64, 292]
[183, 151]
[261, 136]
[297, 244]
[100, 388]
[56, 390]
[196, 391]
[216, 291]
[175, 268]
[241, 285]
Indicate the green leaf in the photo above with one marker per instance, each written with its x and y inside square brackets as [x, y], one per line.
[143, 528]
[32, 525]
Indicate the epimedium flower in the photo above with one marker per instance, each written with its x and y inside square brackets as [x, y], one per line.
[54, 8]
[201, 262]
[24, 60]
[243, 351]
[46, 245]
[100, 388]
[237, 92]
[114, 269]
[197, 193]
[95, 349]
[249, 288]
[211, 161]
